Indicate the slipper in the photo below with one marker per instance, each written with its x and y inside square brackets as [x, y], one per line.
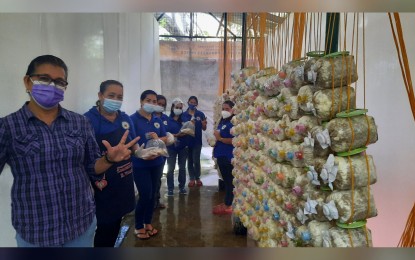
[152, 232]
[137, 234]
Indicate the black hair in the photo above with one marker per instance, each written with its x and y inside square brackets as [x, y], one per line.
[195, 98]
[161, 97]
[172, 114]
[105, 84]
[46, 59]
[146, 93]
[229, 103]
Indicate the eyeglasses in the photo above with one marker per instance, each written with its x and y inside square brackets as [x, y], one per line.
[45, 79]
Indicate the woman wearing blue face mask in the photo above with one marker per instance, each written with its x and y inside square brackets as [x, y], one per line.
[147, 172]
[114, 193]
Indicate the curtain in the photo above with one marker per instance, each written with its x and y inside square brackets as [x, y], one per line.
[95, 47]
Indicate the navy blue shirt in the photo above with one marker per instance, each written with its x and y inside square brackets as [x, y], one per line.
[142, 126]
[199, 116]
[174, 127]
[118, 197]
[222, 149]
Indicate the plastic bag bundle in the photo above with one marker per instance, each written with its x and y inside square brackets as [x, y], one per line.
[359, 169]
[153, 148]
[347, 135]
[298, 129]
[293, 153]
[355, 237]
[188, 128]
[271, 107]
[317, 230]
[333, 71]
[305, 98]
[170, 139]
[159, 145]
[354, 205]
[328, 102]
[294, 75]
[319, 150]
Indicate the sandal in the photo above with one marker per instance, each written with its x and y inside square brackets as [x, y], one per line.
[152, 232]
[142, 234]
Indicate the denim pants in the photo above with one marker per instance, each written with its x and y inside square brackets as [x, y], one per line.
[146, 179]
[226, 167]
[193, 162]
[181, 157]
[84, 240]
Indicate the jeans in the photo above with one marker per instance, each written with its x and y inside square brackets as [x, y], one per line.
[85, 240]
[193, 162]
[181, 155]
[226, 167]
[146, 179]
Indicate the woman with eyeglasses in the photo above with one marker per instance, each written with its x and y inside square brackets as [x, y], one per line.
[52, 154]
[148, 171]
[178, 150]
[114, 192]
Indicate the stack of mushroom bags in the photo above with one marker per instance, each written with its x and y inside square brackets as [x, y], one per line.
[302, 175]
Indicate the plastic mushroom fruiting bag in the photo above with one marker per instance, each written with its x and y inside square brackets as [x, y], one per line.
[352, 237]
[294, 75]
[170, 139]
[326, 103]
[341, 173]
[188, 128]
[353, 205]
[153, 148]
[346, 135]
[333, 70]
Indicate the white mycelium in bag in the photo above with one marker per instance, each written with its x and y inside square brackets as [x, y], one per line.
[293, 187]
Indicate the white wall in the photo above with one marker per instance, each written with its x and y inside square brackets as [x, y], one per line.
[24, 36]
[95, 47]
[388, 103]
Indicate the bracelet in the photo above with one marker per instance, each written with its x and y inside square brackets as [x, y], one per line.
[108, 160]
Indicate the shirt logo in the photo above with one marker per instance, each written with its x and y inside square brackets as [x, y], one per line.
[157, 125]
[165, 122]
[198, 118]
[223, 127]
[125, 125]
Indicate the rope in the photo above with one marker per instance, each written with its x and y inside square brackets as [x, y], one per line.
[403, 58]
[368, 185]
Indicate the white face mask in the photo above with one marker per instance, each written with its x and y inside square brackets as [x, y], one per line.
[149, 108]
[158, 109]
[177, 111]
[226, 114]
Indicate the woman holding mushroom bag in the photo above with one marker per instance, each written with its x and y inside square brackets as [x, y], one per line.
[177, 150]
[148, 163]
[223, 153]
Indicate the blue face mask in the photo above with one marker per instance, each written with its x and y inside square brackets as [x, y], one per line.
[111, 105]
[149, 108]
[192, 107]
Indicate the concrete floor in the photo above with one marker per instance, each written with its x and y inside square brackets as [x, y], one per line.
[188, 220]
